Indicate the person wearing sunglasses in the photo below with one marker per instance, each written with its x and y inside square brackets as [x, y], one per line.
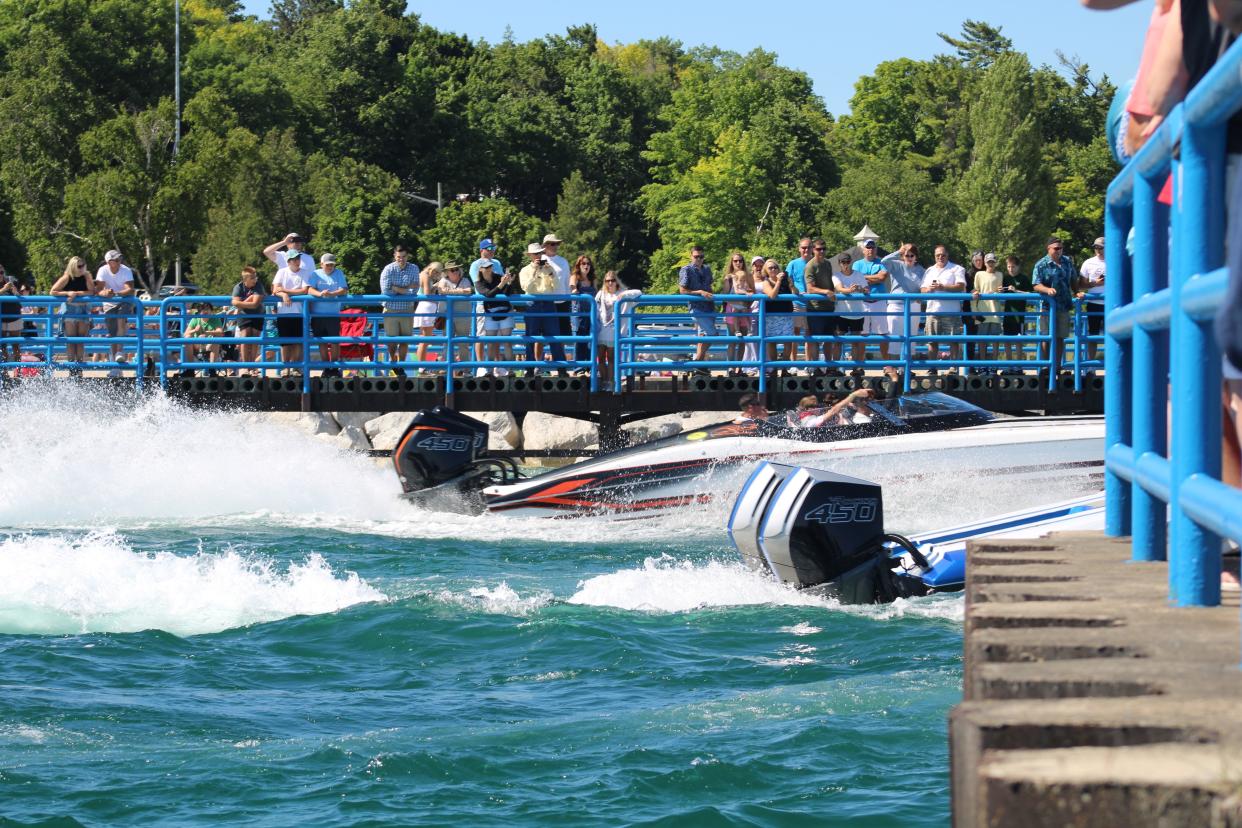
[606, 321]
[797, 276]
[906, 276]
[1054, 276]
[695, 279]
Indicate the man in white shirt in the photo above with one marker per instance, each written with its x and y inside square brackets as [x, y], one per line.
[561, 322]
[944, 277]
[290, 323]
[114, 280]
[291, 242]
[1091, 288]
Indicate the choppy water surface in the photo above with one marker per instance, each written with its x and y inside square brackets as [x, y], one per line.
[206, 621]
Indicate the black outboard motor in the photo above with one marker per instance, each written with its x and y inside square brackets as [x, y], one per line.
[825, 530]
[438, 445]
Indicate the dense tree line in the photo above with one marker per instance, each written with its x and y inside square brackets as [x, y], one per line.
[331, 118]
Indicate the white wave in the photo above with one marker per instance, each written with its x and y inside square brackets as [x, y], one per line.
[499, 600]
[665, 584]
[53, 585]
[75, 457]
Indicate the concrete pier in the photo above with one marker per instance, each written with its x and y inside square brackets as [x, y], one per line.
[1087, 699]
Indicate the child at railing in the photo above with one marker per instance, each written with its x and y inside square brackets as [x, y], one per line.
[738, 315]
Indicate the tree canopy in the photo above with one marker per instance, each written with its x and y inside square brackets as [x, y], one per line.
[338, 119]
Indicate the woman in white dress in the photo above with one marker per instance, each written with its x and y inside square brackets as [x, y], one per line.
[428, 311]
[606, 318]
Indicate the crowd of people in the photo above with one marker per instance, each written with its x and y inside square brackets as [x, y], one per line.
[806, 312]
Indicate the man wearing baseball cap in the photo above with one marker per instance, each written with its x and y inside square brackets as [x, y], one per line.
[116, 279]
[487, 256]
[291, 242]
[328, 282]
[1091, 288]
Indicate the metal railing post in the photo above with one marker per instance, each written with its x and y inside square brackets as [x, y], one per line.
[1199, 235]
[1148, 393]
[1117, 380]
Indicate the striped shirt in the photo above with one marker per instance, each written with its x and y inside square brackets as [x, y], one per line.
[403, 277]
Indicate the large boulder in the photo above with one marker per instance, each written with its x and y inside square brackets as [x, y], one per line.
[350, 438]
[385, 430]
[549, 431]
[503, 431]
[358, 419]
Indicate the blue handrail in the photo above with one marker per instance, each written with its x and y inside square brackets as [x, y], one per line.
[1160, 306]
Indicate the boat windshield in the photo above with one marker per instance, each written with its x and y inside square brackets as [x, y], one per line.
[912, 410]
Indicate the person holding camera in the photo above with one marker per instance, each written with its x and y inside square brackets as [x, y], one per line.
[497, 316]
[539, 278]
[944, 317]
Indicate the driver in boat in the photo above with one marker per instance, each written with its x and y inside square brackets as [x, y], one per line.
[850, 409]
[753, 409]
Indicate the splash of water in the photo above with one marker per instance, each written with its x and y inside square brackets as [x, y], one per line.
[52, 584]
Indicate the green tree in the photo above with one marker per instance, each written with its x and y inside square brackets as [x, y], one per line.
[41, 112]
[359, 215]
[1007, 194]
[581, 219]
[899, 200]
[1081, 185]
[291, 15]
[461, 225]
[980, 44]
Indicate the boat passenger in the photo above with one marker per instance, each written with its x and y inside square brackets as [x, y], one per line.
[753, 410]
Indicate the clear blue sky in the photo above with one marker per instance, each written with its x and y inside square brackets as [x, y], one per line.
[823, 39]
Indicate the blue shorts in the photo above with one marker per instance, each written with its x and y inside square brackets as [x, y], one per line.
[704, 322]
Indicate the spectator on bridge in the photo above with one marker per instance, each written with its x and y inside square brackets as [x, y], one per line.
[76, 287]
[988, 280]
[207, 325]
[290, 324]
[1054, 276]
[487, 254]
[497, 314]
[538, 278]
[970, 321]
[875, 316]
[906, 276]
[291, 242]
[737, 279]
[456, 283]
[10, 316]
[852, 283]
[247, 301]
[695, 279]
[1091, 288]
[115, 280]
[328, 282]
[606, 320]
[797, 277]
[427, 317]
[399, 278]
[821, 310]
[944, 315]
[561, 324]
[582, 282]
[778, 315]
[1014, 323]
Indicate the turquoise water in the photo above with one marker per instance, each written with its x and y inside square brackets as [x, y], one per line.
[206, 620]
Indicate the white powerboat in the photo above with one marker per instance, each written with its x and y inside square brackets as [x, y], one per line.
[442, 460]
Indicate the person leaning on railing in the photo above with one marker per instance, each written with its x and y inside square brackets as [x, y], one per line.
[944, 316]
[1014, 322]
[10, 316]
[455, 283]
[778, 315]
[988, 280]
[1091, 288]
[398, 278]
[328, 282]
[427, 314]
[695, 279]
[606, 320]
[582, 283]
[247, 300]
[1054, 276]
[290, 324]
[497, 315]
[75, 286]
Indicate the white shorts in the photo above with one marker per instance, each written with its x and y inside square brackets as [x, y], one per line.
[427, 312]
[876, 321]
[503, 327]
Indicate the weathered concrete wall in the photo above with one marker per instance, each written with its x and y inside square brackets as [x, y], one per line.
[1088, 699]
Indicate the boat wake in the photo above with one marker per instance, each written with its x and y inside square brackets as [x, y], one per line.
[97, 583]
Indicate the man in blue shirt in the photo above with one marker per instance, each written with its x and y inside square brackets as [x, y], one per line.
[695, 279]
[1054, 276]
[877, 320]
[328, 282]
[797, 274]
[400, 276]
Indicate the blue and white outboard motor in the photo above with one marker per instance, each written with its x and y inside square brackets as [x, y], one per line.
[818, 529]
[443, 454]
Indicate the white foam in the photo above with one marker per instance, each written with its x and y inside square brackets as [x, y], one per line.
[666, 584]
[75, 457]
[96, 583]
[499, 600]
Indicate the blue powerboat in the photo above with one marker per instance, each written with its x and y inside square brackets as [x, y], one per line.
[824, 531]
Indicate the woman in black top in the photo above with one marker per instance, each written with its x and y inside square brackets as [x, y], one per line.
[497, 313]
[75, 285]
[582, 281]
[248, 296]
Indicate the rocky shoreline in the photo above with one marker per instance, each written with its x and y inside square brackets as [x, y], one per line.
[364, 431]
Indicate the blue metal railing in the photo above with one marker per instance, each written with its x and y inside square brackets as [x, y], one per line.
[1163, 363]
[162, 337]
